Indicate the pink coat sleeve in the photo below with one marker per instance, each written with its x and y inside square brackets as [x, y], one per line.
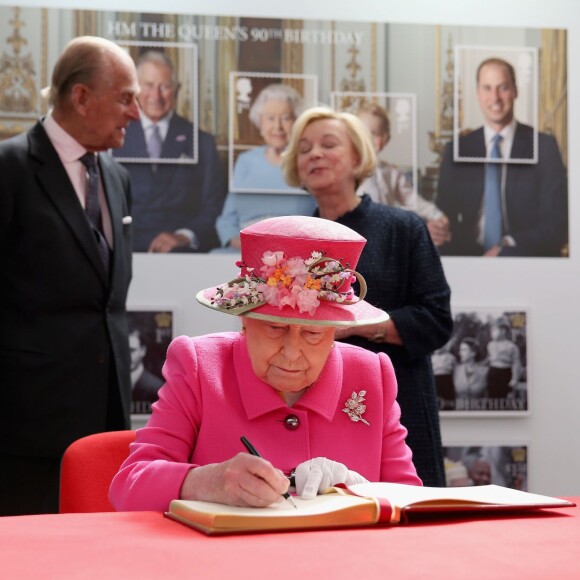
[159, 459]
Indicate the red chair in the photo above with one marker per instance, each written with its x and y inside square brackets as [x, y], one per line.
[87, 469]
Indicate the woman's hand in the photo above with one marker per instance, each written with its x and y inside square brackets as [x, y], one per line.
[243, 480]
[316, 475]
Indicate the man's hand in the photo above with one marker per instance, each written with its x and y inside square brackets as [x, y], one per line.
[493, 252]
[439, 230]
[165, 242]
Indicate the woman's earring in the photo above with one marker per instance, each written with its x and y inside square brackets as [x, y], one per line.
[243, 330]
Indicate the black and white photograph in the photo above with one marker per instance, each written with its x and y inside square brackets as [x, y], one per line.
[483, 368]
[505, 465]
[150, 332]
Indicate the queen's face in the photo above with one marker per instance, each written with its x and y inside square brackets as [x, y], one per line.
[327, 159]
[289, 357]
[276, 121]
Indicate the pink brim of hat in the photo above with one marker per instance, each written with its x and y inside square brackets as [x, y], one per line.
[359, 313]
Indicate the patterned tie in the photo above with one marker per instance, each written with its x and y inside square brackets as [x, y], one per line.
[155, 143]
[154, 146]
[492, 198]
[93, 209]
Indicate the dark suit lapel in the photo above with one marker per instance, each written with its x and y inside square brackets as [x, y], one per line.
[179, 140]
[473, 145]
[112, 187]
[134, 142]
[523, 145]
[55, 182]
[522, 148]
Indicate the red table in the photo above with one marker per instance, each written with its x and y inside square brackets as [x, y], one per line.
[143, 545]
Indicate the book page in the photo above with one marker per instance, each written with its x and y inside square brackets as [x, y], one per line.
[329, 510]
[404, 495]
[320, 505]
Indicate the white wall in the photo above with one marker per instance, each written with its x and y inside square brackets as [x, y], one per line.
[548, 288]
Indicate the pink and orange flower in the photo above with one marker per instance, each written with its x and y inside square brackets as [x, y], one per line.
[292, 282]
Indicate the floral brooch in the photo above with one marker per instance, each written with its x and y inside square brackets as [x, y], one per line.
[293, 282]
[354, 407]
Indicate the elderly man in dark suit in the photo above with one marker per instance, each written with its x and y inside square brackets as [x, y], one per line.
[175, 204]
[65, 242]
[503, 209]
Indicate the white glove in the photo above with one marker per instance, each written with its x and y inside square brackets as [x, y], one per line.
[316, 475]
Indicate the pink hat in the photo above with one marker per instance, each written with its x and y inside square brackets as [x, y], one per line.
[297, 270]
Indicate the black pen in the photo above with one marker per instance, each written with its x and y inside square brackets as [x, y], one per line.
[253, 451]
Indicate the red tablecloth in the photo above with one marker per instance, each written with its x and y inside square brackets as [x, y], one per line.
[143, 545]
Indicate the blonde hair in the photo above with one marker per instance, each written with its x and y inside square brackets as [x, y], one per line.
[358, 133]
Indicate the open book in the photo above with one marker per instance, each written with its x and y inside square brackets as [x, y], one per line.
[363, 504]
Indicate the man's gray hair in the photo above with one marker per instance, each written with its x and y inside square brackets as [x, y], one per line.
[159, 58]
[84, 60]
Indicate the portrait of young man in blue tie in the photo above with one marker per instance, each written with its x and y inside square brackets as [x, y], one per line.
[500, 202]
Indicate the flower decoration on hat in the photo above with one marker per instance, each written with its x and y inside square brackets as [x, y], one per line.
[294, 282]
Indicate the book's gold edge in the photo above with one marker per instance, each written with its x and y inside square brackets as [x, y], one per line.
[189, 523]
[365, 511]
[219, 531]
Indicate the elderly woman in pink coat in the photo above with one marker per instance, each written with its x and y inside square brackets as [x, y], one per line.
[321, 411]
